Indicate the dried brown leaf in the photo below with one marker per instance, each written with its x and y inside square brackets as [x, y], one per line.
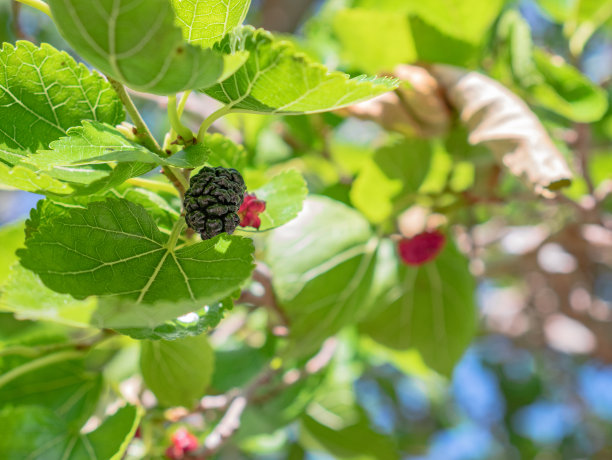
[500, 120]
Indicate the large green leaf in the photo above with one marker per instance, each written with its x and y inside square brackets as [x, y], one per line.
[431, 308]
[25, 178]
[330, 280]
[12, 239]
[192, 324]
[395, 170]
[284, 196]
[276, 78]
[564, 90]
[114, 248]
[137, 43]
[178, 372]
[36, 433]
[44, 92]
[223, 152]
[374, 40]
[66, 387]
[27, 297]
[468, 20]
[205, 22]
[357, 441]
[96, 143]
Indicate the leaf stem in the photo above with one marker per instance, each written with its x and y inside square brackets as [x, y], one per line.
[39, 5]
[175, 120]
[211, 119]
[38, 363]
[175, 177]
[183, 102]
[141, 126]
[177, 229]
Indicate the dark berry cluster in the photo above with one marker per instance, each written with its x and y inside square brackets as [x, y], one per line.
[213, 200]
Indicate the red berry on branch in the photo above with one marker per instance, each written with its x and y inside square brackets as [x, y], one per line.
[421, 248]
[175, 453]
[249, 211]
[182, 442]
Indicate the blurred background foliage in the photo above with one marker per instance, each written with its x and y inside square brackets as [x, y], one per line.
[536, 382]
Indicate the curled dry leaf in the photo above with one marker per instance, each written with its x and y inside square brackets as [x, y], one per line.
[416, 108]
[500, 120]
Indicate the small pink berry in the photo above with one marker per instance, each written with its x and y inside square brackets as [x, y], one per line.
[175, 452]
[421, 248]
[185, 440]
[250, 210]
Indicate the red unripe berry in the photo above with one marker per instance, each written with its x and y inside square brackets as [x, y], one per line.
[421, 248]
[175, 453]
[249, 211]
[182, 442]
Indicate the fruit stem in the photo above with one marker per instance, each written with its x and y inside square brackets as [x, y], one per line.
[211, 119]
[177, 229]
[39, 5]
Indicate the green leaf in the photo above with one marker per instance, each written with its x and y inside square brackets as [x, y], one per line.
[467, 20]
[25, 178]
[12, 239]
[177, 372]
[205, 22]
[430, 308]
[278, 79]
[351, 442]
[373, 40]
[393, 172]
[37, 433]
[284, 196]
[330, 281]
[137, 43]
[192, 324]
[223, 152]
[43, 92]
[98, 143]
[66, 387]
[27, 297]
[114, 248]
[566, 91]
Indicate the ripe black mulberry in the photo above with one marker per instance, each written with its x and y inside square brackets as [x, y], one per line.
[213, 200]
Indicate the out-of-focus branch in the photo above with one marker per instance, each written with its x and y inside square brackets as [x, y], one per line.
[237, 401]
[266, 298]
[284, 16]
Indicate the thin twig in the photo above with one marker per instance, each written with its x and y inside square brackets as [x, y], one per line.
[237, 401]
[263, 276]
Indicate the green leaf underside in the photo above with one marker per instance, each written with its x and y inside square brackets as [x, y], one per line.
[395, 171]
[284, 196]
[223, 152]
[193, 325]
[66, 387]
[43, 92]
[330, 280]
[177, 372]
[114, 248]
[137, 43]
[205, 22]
[98, 143]
[36, 433]
[25, 295]
[276, 78]
[431, 308]
[24, 178]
